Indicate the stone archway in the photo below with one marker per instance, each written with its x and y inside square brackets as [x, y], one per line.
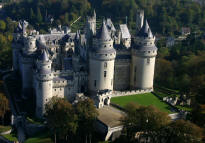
[106, 101]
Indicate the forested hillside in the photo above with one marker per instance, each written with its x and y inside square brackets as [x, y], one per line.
[180, 67]
[166, 17]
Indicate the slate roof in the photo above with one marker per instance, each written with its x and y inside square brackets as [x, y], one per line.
[110, 25]
[44, 56]
[125, 31]
[145, 31]
[103, 33]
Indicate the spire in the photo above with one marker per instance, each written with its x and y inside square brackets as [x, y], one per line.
[103, 33]
[146, 27]
[77, 36]
[44, 56]
[94, 14]
[145, 31]
[150, 35]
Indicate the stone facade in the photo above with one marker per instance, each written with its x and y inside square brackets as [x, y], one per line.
[93, 62]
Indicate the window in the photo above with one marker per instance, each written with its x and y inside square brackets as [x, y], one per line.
[148, 60]
[105, 64]
[95, 83]
[105, 73]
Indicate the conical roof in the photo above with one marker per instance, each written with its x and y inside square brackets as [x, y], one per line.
[42, 40]
[77, 36]
[103, 33]
[145, 31]
[44, 56]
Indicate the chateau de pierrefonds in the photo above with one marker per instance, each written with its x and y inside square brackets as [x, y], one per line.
[96, 63]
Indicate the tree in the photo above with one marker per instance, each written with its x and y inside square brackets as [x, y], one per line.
[198, 115]
[184, 132]
[61, 118]
[164, 72]
[39, 16]
[146, 120]
[2, 25]
[4, 106]
[66, 18]
[87, 115]
[32, 15]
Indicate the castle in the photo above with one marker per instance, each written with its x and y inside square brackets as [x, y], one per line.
[94, 62]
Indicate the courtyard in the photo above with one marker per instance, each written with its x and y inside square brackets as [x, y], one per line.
[144, 100]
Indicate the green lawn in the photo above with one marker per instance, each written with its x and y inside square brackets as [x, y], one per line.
[4, 128]
[189, 109]
[142, 99]
[40, 138]
[10, 137]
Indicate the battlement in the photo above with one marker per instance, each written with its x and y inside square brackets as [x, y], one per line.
[62, 82]
[131, 92]
[145, 53]
[104, 93]
[109, 55]
[44, 77]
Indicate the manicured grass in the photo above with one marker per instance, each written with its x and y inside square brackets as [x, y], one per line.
[142, 99]
[189, 109]
[4, 128]
[10, 137]
[40, 138]
[166, 93]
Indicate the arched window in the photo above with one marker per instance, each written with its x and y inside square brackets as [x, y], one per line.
[105, 64]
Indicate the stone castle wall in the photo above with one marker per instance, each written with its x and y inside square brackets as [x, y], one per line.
[122, 75]
[132, 92]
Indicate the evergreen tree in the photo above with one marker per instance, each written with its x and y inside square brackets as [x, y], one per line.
[39, 17]
[32, 15]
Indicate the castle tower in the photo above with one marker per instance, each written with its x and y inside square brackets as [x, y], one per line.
[144, 53]
[27, 58]
[44, 83]
[16, 47]
[90, 28]
[139, 19]
[101, 62]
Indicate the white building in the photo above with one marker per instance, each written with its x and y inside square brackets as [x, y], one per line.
[93, 62]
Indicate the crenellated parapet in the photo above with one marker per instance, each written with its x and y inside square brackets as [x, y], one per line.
[107, 56]
[44, 77]
[145, 52]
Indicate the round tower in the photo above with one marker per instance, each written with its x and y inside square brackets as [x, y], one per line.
[27, 59]
[144, 53]
[16, 47]
[101, 62]
[44, 83]
[30, 44]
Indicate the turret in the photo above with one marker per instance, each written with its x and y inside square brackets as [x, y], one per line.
[101, 62]
[27, 60]
[139, 19]
[44, 82]
[16, 47]
[90, 28]
[29, 45]
[144, 53]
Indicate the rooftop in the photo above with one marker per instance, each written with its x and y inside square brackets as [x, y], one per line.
[110, 116]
